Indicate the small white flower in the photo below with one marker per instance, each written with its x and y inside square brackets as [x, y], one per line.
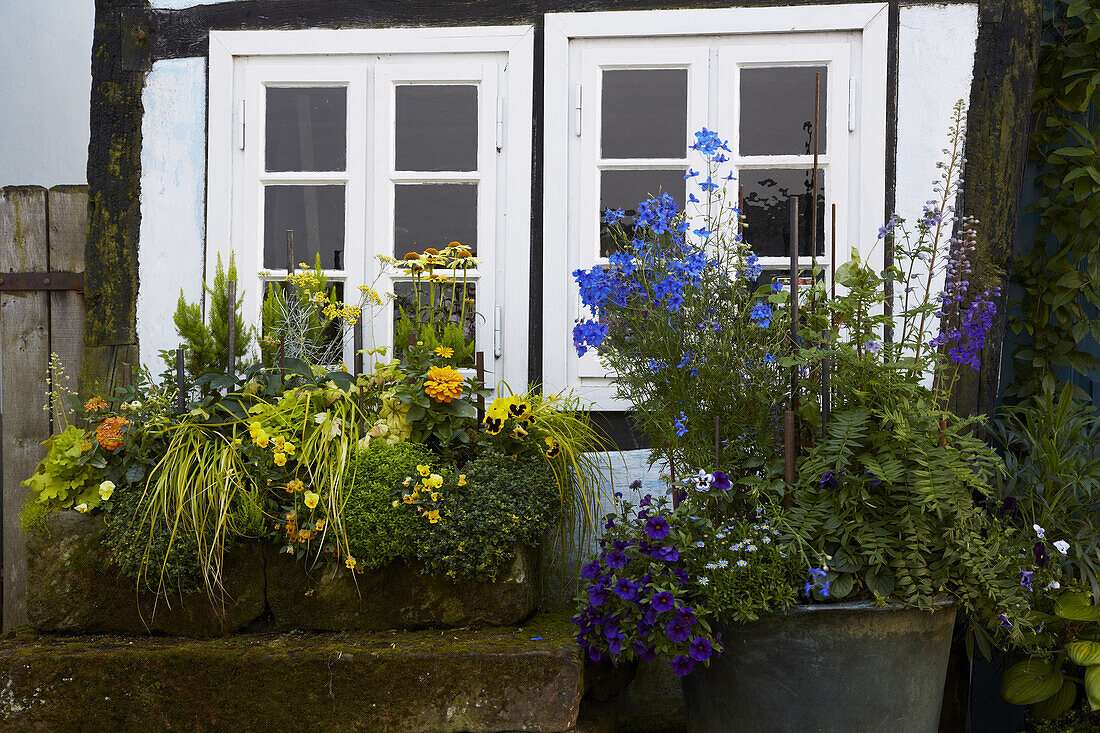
[135, 405]
[751, 548]
[1061, 546]
[81, 507]
[723, 563]
[1054, 585]
[765, 539]
[742, 564]
[1039, 531]
[106, 489]
[704, 580]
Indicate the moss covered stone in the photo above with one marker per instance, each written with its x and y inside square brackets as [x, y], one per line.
[488, 680]
[397, 596]
[73, 587]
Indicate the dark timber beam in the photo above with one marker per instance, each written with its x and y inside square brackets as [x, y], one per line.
[998, 130]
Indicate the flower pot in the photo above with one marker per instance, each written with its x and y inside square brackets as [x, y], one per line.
[829, 668]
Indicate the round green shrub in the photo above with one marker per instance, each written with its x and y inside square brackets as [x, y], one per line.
[379, 533]
[507, 501]
[153, 556]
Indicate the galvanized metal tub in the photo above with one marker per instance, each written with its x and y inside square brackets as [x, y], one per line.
[828, 668]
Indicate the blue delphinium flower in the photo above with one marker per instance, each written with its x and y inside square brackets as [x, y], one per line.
[753, 268]
[613, 216]
[761, 314]
[589, 334]
[681, 428]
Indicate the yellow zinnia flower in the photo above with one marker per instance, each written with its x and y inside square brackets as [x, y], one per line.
[443, 384]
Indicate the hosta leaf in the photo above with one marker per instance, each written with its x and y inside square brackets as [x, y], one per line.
[1092, 686]
[1030, 681]
[1057, 703]
[1084, 653]
[1076, 607]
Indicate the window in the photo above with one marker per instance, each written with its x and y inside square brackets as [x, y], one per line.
[626, 90]
[351, 144]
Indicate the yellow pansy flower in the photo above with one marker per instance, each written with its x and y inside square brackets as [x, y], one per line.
[349, 561]
[461, 479]
[424, 470]
[280, 459]
[433, 516]
[311, 499]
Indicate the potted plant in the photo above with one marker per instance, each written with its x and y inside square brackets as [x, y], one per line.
[877, 535]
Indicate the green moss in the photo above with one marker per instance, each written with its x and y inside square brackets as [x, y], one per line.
[378, 533]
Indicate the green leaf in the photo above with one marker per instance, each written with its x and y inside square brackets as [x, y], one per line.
[880, 581]
[1075, 607]
[1092, 686]
[1057, 703]
[1084, 653]
[1030, 681]
[842, 586]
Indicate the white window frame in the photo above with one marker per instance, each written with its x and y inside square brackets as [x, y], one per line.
[310, 57]
[567, 243]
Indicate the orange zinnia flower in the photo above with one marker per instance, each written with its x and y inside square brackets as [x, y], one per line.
[96, 404]
[443, 384]
[109, 432]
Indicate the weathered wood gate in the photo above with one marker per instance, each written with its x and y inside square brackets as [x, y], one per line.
[42, 236]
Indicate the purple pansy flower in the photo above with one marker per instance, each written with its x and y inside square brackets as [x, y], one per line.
[721, 481]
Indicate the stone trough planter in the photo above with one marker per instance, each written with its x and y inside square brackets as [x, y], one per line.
[74, 588]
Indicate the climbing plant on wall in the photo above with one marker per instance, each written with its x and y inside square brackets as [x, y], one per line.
[1060, 276]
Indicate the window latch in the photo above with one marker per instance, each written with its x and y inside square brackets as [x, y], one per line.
[240, 124]
[851, 104]
[498, 331]
[577, 110]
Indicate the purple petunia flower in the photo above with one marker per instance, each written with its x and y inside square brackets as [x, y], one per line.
[685, 614]
[721, 481]
[591, 570]
[616, 560]
[626, 590]
[661, 602]
[657, 528]
[594, 654]
[699, 649]
[682, 666]
[666, 553]
[597, 594]
[678, 630]
[647, 499]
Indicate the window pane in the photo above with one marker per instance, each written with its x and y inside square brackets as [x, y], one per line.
[447, 297]
[777, 111]
[626, 189]
[316, 216]
[433, 215]
[767, 210]
[644, 113]
[306, 128]
[436, 127]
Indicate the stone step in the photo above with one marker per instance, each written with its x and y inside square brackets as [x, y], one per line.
[494, 679]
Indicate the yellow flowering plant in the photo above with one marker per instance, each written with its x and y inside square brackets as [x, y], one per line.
[425, 491]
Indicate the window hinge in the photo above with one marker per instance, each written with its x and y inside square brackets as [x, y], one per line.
[240, 124]
[851, 104]
[498, 331]
[577, 110]
[500, 124]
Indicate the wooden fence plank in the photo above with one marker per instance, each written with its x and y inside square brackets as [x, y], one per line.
[68, 216]
[24, 350]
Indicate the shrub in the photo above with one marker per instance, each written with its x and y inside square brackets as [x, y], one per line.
[378, 532]
[506, 501]
[150, 552]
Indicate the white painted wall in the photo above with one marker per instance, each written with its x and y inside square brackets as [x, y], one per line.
[45, 85]
[173, 171]
[936, 45]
